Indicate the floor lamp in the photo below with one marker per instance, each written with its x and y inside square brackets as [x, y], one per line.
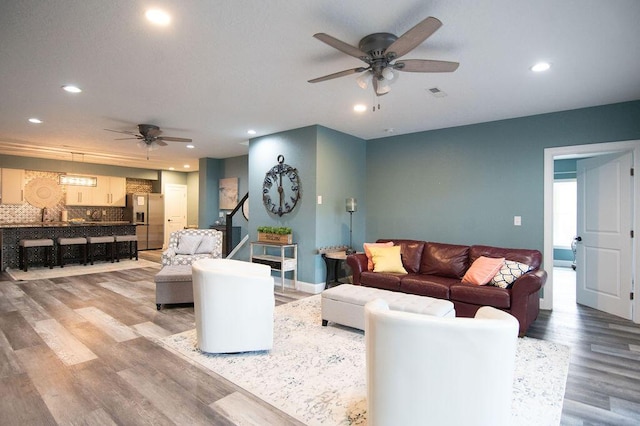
[352, 206]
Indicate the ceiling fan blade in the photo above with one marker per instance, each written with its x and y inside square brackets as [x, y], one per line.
[425, 65]
[122, 131]
[159, 141]
[412, 38]
[343, 47]
[172, 139]
[338, 74]
[125, 139]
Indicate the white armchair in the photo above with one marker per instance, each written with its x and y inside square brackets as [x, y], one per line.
[435, 370]
[188, 245]
[233, 304]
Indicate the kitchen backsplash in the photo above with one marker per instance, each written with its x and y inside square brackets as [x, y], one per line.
[19, 213]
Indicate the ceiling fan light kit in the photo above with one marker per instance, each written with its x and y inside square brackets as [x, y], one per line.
[150, 137]
[380, 52]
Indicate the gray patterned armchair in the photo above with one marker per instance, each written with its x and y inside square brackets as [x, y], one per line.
[188, 245]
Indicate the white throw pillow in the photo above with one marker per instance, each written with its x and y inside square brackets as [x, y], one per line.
[187, 244]
[509, 273]
[206, 245]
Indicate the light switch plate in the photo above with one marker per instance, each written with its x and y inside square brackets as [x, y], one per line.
[517, 220]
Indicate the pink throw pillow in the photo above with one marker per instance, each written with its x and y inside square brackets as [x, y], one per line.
[483, 270]
[368, 252]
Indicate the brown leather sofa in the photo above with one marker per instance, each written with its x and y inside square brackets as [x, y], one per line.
[436, 270]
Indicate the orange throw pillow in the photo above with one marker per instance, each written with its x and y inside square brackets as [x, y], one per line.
[367, 251]
[483, 270]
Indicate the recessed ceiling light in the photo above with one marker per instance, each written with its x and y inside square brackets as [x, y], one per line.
[540, 66]
[71, 88]
[251, 132]
[35, 120]
[359, 108]
[158, 17]
[190, 146]
[186, 166]
[172, 168]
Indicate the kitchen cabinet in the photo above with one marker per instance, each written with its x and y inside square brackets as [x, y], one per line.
[12, 186]
[79, 195]
[110, 191]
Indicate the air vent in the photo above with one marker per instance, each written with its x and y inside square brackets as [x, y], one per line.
[437, 92]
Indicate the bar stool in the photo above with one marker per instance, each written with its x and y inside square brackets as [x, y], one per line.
[23, 254]
[133, 244]
[74, 241]
[108, 241]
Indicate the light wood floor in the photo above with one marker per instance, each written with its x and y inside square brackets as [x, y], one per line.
[80, 350]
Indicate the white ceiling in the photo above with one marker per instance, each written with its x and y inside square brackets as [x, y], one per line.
[223, 67]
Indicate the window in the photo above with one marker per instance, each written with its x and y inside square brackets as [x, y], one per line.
[565, 205]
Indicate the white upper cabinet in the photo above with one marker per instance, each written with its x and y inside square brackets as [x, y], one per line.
[12, 186]
[109, 192]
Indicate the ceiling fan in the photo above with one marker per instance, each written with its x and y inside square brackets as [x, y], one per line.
[380, 51]
[149, 137]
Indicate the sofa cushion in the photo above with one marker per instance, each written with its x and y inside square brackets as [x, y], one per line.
[387, 259]
[411, 252]
[367, 251]
[480, 295]
[529, 257]
[446, 260]
[483, 270]
[187, 244]
[381, 280]
[427, 285]
[509, 273]
[207, 245]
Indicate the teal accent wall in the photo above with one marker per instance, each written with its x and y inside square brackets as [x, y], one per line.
[238, 167]
[565, 169]
[465, 184]
[341, 163]
[330, 164]
[210, 172]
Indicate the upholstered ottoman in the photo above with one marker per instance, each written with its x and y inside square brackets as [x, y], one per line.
[173, 285]
[344, 304]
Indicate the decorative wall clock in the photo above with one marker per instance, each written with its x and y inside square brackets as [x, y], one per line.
[281, 188]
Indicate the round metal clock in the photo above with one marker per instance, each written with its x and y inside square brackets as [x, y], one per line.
[281, 188]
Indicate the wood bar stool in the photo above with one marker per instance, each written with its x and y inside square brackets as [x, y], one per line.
[23, 254]
[75, 241]
[133, 245]
[108, 241]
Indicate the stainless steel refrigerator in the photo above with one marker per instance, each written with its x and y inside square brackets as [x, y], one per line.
[146, 211]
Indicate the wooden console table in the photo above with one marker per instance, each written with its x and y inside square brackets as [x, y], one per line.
[280, 262]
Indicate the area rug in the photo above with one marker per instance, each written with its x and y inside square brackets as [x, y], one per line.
[317, 374]
[43, 273]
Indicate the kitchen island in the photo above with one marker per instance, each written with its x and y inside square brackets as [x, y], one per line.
[12, 233]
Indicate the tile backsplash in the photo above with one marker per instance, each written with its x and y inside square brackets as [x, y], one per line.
[19, 213]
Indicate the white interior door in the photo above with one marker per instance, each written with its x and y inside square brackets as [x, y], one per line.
[175, 209]
[604, 268]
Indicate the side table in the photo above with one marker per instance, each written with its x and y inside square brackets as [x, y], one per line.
[333, 261]
[282, 263]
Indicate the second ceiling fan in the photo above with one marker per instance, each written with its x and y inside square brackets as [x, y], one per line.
[381, 51]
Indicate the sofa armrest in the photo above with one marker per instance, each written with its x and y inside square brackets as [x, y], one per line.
[167, 255]
[358, 264]
[528, 283]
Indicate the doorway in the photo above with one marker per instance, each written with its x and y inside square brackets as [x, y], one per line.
[584, 151]
[175, 209]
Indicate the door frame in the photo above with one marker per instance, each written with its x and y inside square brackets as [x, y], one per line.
[577, 151]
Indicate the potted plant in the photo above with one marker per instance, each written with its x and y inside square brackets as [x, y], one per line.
[275, 234]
